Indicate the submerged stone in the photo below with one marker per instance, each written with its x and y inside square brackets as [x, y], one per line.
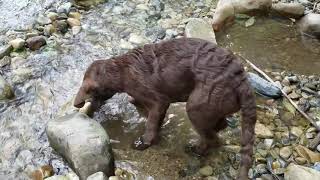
[5, 90]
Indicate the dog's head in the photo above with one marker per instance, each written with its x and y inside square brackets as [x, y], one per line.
[94, 87]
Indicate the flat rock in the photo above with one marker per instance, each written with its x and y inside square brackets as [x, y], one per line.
[310, 25]
[5, 50]
[83, 142]
[35, 43]
[199, 28]
[262, 131]
[290, 10]
[297, 172]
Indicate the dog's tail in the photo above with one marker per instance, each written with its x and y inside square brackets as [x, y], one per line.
[249, 117]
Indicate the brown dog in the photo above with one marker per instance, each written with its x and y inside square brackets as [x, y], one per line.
[210, 79]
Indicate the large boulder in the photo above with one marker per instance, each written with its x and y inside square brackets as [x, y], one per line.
[296, 172]
[5, 89]
[199, 28]
[310, 25]
[83, 143]
[290, 10]
[227, 9]
[89, 3]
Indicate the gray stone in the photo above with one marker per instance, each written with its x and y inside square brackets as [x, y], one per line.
[297, 172]
[64, 8]
[268, 143]
[5, 61]
[5, 89]
[88, 3]
[21, 75]
[97, 176]
[5, 50]
[17, 43]
[310, 25]
[83, 142]
[62, 26]
[199, 28]
[35, 43]
[42, 20]
[291, 10]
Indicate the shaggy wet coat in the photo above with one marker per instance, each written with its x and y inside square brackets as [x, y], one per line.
[210, 79]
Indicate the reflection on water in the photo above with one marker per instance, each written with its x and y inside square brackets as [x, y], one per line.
[275, 44]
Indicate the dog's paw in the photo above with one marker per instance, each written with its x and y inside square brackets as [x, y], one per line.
[139, 144]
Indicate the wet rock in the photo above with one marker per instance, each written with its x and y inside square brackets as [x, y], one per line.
[21, 75]
[35, 43]
[16, 62]
[83, 142]
[48, 30]
[52, 16]
[296, 131]
[285, 152]
[98, 176]
[76, 30]
[64, 8]
[297, 172]
[73, 22]
[88, 3]
[17, 43]
[5, 51]
[206, 171]
[75, 15]
[137, 39]
[226, 10]
[69, 176]
[42, 20]
[291, 10]
[199, 28]
[5, 89]
[307, 154]
[5, 61]
[310, 25]
[62, 26]
[125, 44]
[263, 86]
[262, 131]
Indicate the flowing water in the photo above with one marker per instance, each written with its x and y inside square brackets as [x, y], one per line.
[58, 68]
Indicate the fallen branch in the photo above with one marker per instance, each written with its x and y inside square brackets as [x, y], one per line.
[285, 94]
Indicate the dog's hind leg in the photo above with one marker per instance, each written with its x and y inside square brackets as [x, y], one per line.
[156, 114]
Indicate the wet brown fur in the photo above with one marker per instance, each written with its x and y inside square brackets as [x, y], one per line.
[210, 79]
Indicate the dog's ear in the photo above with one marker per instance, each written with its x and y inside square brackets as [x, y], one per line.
[86, 91]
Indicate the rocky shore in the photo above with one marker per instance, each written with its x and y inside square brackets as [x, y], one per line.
[42, 64]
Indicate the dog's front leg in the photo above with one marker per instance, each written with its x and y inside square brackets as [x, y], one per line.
[155, 118]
